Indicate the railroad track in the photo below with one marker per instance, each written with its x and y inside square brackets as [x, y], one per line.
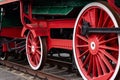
[49, 72]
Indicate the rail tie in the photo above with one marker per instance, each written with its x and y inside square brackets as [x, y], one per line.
[26, 69]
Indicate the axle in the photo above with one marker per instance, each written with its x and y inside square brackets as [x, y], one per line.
[86, 29]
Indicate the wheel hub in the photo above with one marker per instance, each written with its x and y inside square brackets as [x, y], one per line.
[33, 48]
[93, 45]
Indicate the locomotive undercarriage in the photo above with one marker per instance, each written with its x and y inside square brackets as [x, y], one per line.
[12, 47]
[92, 40]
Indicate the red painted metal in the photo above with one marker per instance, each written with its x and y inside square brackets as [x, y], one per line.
[60, 43]
[13, 32]
[61, 23]
[45, 31]
[112, 3]
[33, 49]
[35, 26]
[5, 48]
[95, 51]
[23, 15]
[42, 27]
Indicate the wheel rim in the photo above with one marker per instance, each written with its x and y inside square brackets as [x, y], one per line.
[34, 51]
[96, 55]
[4, 56]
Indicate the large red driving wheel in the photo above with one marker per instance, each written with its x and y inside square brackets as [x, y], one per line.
[35, 51]
[97, 54]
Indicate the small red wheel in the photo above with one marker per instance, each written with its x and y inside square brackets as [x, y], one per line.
[97, 55]
[35, 51]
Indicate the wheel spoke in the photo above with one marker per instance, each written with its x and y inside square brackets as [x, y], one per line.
[105, 60]
[79, 25]
[83, 38]
[32, 58]
[106, 17]
[110, 24]
[100, 22]
[38, 51]
[36, 40]
[109, 56]
[105, 41]
[90, 65]
[101, 37]
[93, 17]
[29, 52]
[38, 56]
[31, 37]
[37, 47]
[86, 60]
[83, 54]
[98, 66]
[102, 65]
[82, 46]
[29, 46]
[35, 60]
[108, 48]
[86, 17]
[94, 67]
[29, 41]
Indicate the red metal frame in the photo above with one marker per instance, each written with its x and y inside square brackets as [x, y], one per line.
[42, 28]
[60, 43]
[45, 31]
[12, 32]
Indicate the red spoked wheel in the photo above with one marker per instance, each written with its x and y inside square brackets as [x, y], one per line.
[35, 51]
[97, 55]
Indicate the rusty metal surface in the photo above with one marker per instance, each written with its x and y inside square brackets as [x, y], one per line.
[26, 69]
[51, 71]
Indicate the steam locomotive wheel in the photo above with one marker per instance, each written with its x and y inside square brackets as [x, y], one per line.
[97, 55]
[4, 56]
[35, 51]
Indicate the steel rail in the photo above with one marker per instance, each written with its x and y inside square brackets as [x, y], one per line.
[26, 69]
